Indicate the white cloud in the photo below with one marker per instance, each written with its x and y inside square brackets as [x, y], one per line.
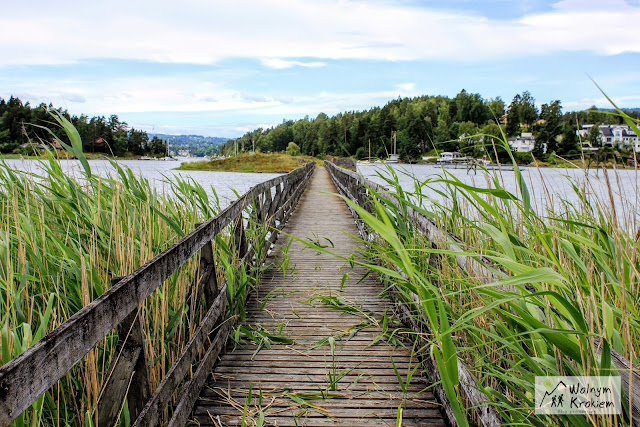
[406, 87]
[279, 33]
[602, 102]
[179, 93]
[280, 64]
[188, 94]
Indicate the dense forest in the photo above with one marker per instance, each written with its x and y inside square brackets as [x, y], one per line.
[196, 145]
[21, 131]
[427, 123]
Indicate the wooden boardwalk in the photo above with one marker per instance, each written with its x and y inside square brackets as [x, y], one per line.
[308, 383]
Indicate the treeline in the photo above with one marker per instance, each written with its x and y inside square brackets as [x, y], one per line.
[21, 130]
[426, 123]
[197, 145]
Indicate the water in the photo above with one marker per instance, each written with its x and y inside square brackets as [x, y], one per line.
[223, 183]
[548, 186]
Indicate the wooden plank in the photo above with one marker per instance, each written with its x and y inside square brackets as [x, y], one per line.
[319, 422]
[119, 374]
[364, 400]
[291, 409]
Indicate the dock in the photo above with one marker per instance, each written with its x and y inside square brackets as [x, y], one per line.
[329, 362]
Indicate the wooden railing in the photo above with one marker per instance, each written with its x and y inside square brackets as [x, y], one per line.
[360, 190]
[28, 376]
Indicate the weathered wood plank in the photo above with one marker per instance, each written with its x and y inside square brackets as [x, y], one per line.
[207, 420]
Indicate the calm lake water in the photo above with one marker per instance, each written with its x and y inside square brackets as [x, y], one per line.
[547, 185]
[223, 183]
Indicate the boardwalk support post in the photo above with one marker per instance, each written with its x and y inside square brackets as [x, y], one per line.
[127, 374]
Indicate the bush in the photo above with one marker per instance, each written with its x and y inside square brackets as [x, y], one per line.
[293, 149]
[523, 158]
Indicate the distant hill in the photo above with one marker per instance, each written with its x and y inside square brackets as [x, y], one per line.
[196, 145]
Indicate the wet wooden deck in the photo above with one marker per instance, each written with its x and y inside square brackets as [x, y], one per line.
[306, 383]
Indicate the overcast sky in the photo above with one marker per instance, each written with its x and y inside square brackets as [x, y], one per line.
[222, 68]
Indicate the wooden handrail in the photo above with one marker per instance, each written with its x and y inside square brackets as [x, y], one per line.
[37, 369]
[357, 188]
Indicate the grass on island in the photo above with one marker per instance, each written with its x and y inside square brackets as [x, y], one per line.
[258, 162]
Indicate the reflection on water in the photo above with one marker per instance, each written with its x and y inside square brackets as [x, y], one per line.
[548, 186]
[223, 183]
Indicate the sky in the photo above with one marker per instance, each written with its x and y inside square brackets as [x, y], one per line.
[218, 68]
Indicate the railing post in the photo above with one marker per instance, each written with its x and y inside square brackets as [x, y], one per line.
[206, 280]
[276, 201]
[210, 283]
[239, 237]
[128, 373]
[266, 206]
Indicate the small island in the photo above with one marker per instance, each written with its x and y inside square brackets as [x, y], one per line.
[256, 162]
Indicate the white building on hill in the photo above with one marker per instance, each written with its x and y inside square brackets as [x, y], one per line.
[523, 143]
[612, 136]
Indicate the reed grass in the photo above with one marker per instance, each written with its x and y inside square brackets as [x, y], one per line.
[62, 239]
[568, 297]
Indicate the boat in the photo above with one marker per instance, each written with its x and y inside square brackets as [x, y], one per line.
[455, 157]
[393, 157]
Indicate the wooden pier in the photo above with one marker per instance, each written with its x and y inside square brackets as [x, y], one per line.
[315, 299]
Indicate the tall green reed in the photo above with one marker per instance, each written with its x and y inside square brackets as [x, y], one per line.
[562, 297]
[63, 237]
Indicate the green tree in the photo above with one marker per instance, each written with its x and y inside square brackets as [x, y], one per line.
[156, 146]
[416, 130]
[470, 107]
[408, 149]
[120, 142]
[549, 129]
[293, 149]
[469, 138]
[522, 111]
[569, 141]
[527, 113]
[513, 117]
[595, 136]
[496, 108]
[492, 134]
[138, 141]
[442, 134]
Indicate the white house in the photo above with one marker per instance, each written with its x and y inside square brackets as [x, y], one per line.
[612, 135]
[523, 143]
